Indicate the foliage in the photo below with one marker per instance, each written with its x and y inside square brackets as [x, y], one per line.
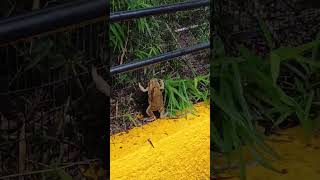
[246, 90]
[142, 37]
[120, 32]
[47, 55]
[180, 94]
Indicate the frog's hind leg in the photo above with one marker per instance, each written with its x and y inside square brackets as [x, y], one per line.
[150, 113]
[163, 114]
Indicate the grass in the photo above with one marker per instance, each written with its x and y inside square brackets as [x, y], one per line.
[123, 33]
[180, 94]
[146, 37]
[246, 90]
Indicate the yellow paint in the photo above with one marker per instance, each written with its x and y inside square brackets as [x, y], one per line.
[299, 160]
[181, 149]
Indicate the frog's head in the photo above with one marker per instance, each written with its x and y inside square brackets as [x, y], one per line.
[154, 80]
[156, 83]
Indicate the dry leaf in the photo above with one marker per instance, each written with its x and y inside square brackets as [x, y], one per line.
[22, 151]
[139, 116]
[93, 173]
[101, 84]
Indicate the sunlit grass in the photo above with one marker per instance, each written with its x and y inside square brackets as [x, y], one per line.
[181, 94]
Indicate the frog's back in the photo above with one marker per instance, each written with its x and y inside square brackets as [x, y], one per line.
[156, 98]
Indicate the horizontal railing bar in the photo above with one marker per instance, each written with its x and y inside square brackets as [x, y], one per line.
[136, 64]
[48, 19]
[126, 15]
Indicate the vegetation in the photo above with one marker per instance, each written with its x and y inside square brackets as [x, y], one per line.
[46, 96]
[248, 91]
[144, 37]
[141, 38]
[181, 94]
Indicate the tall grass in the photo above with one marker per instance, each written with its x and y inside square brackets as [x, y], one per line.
[120, 32]
[141, 38]
[247, 89]
[180, 94]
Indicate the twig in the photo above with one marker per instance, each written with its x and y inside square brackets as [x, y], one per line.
[234, 166]
[46, 84]
[190, 27]
[36, 4]
[22, 150]
[48, 170]
[82, 162]
[101, 84]
[117, 109]
[38, 163]
[184, 58]
[150, 142]
[280, 140]
[62, 141]
[11, 9]
[124, 50]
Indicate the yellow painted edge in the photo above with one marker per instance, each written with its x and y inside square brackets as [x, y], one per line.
[298, 160]
[181, 149]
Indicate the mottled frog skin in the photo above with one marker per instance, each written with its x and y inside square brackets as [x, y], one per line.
[155, 97]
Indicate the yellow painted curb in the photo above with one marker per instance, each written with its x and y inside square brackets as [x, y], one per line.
[164, 149]
[298, 161]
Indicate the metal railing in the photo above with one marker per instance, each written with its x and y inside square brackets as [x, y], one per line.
[127, 15]
[51, 19]
[157, 59]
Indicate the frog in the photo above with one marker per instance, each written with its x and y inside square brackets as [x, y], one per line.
[155, 98]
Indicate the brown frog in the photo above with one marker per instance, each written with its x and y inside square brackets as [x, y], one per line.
[155, 97]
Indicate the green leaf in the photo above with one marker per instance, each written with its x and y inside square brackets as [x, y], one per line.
[262, 161]
[275, 66]
[312, 63]
[218, 47]
[307, 46]
[40, 57]
[240, 95]
[286, 53]
[266, 32]
[308, 105]
[299, 85]
[316, 50]
[282, 118]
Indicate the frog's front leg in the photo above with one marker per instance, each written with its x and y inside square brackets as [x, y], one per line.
[150, 113]
[142, 88]
[161, 84]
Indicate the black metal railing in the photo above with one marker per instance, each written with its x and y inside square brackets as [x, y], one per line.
[157, 59]
[51, 19]
[126, 15]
